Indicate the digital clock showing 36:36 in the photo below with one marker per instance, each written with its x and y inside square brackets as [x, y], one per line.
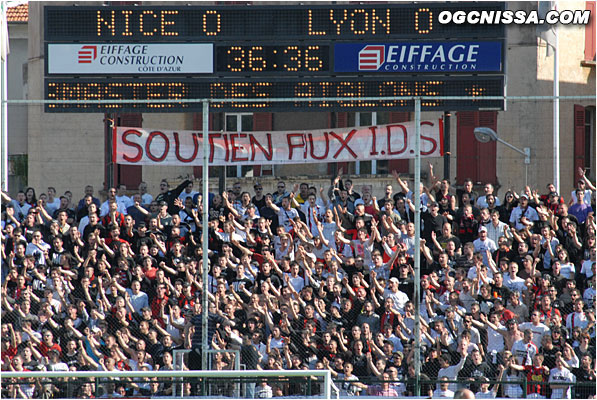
[312, 58]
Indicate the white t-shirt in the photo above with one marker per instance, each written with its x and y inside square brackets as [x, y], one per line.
[524, 352]
[347, 388]
[443, 393]
[495, 340]
[586, 269]
[589, 296]
[485, 395]
[284, 217]
[567, 270]
[53, 206]
[538, 331]
[586, 199]
[518, 213]
[563, 375]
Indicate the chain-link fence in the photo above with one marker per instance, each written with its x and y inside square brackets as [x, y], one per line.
[310, 277]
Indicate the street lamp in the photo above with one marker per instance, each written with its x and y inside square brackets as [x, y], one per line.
[485, 135]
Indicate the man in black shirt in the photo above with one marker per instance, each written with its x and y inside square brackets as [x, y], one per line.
[432, 221]
[474, 368]
[169, 196]
[585, 377]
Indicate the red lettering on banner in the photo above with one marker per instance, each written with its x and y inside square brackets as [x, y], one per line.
[312, 146]
[373, 130]
[152, 135]
[235, 147]
[433, 142]
[177, 148]
[227, 155]
[266, 154]
[344, 143]
[291, 145]
[211, 137]
[125, 140]
[404, 133]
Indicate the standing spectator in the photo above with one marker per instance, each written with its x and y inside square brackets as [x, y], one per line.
[482, 200]
[560, 379]
[581, 210]
[523, 215]
[168, 195]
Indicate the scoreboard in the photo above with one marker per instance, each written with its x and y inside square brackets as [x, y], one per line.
[236, 52]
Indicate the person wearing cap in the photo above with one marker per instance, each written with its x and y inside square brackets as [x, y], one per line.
[484, 245]
[523, 215]
[553, 200]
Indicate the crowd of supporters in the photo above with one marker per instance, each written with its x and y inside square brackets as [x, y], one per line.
[305, 278]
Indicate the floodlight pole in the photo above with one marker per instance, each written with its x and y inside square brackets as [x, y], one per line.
[417, 252]
[526, 152]
[204, 238]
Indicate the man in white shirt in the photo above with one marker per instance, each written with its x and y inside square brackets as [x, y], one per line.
[121, 196]
[483, 244]
[105, 207]
[524, 349]
[523, 215]
[313, 213]
[139, 299]
[538, 328]
[52, 202]
[450, 372]
[559, 378]
[146, 198]
[482, 201]
[512, 281]
[37, 248]
[285, 212]
[578, 317]
[399, 298]
[496, 228]
[443, 390]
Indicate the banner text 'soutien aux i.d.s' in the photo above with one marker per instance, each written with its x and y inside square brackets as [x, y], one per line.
[143, 146]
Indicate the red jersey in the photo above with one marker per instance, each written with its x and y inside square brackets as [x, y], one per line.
[43, 348]
[536, 379]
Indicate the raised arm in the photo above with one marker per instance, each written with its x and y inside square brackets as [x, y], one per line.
[403, 185]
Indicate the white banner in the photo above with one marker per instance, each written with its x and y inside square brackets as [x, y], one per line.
[132, 58]
[140, 146]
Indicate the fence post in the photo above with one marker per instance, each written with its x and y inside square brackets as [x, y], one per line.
[526, 383]
[417, 252]
[205, 238]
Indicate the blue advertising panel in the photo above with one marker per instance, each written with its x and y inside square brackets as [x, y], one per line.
[419, 57]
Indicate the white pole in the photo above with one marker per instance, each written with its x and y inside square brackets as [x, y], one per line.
[205, 237]
[556, 113]
[417, 252]
[4, 113]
